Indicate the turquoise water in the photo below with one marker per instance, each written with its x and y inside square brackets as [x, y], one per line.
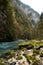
[6, 46]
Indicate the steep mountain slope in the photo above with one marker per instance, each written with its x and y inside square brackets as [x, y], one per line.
[14, 24]
[24, 23]
[33, 15]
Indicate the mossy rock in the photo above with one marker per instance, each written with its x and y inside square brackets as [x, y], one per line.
[19, 58]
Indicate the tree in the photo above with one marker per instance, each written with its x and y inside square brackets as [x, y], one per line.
[39, 28]
[7, 19]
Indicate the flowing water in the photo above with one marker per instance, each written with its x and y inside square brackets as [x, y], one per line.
[6, 46]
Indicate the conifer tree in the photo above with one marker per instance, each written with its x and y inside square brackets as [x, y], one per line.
[39, 28]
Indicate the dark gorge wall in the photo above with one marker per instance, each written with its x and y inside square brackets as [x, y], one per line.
[6, 20]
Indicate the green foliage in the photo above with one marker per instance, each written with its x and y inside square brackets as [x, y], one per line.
[7, 18]
[14, 23]
[39, 29]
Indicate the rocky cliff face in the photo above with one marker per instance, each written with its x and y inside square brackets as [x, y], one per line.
[32, 15]
[16, 20]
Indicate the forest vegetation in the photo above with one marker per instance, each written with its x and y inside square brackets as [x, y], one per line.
[15, 24]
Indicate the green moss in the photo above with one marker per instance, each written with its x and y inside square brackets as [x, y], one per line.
[8, 55]
[35, 51]
[33, 43]
[2, 62]
[19, 58]
[41, 54]
[29, 57]
[35, 62]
